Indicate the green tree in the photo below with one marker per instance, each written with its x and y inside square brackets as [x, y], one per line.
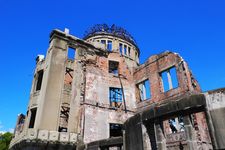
[5, 140]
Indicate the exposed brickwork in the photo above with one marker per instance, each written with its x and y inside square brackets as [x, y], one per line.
[154, 66]
[101, 90]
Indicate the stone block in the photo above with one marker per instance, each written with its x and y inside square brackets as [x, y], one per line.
[32, 134]
[64, 137]
[43, 134]
[73, 137]
[53, 135]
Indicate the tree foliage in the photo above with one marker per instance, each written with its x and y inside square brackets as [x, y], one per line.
[5, 140]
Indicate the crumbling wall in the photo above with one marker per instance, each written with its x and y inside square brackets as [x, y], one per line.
[98, 81]
[152, 70]
[133, 133]
[98, 112]
[96, 122]
[215, 115]
[76, 95]
[153, 118]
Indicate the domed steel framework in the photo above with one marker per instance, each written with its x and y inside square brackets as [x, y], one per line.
[113, 30]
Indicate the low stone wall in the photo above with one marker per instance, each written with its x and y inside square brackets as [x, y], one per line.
[112, 143]
[44, 137]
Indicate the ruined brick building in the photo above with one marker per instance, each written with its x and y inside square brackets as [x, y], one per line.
[100, 97]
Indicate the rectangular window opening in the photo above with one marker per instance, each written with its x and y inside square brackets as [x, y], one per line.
[71, 53]
[64, 117]
[125, 50]
[121, 48]
[144, 90]
[68, 79]
[33, 117]
[165, 81]
[173, 75]
[109, 45]
[169, 79]
[128, 51]
[176, 124]
[103, 41]
[116, 130]
[62, 129]
[39, 79]
[113, 67]
[115, 97]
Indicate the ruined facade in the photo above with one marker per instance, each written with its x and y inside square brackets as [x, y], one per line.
[100, 97]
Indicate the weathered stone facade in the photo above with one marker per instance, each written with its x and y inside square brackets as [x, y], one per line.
[102, 98]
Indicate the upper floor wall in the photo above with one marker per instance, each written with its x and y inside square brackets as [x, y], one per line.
[109, 82]
[162, 77]
[73, 83]
[116, 44]
[113, 38]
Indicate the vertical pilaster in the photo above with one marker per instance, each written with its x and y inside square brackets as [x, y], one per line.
[169, 80]
[27, 121]
[160, 138]
[190, 134]
[77, 89]
[211, 128]
[115, 45]
[150, 127]
[50, 93]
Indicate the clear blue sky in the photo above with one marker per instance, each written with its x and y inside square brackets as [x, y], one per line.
[193, 28]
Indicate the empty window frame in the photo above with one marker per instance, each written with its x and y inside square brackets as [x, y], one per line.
[115, 130]
[32, 117]
[115, 97]
[109, 45]
[121, 48]
[103, 41]
[39, 80]
[71, 53]
[169, 79]
[113, 67]
[176, 124]
[64, 116]
[68, 79]
[128, 51]
[144, 90]
[125, 49]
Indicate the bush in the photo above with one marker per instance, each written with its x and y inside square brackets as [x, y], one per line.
[5, 140]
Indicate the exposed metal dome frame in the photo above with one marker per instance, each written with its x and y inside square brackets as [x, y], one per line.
[100, 29]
